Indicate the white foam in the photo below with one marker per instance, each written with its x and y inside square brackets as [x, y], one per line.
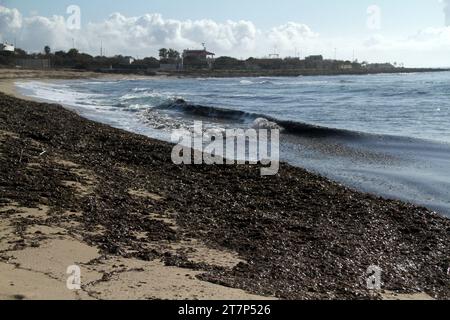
[262, 123]
[60, 93]
[246, 82]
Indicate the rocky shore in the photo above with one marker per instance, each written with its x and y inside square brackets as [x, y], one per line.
[142, 227]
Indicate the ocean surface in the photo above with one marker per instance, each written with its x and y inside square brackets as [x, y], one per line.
[384, 134]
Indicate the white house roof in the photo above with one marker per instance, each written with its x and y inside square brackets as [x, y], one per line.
[6, 47]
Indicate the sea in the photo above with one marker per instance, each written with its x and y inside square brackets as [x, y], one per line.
[386, 134]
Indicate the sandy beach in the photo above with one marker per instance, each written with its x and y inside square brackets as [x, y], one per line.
[75, 192]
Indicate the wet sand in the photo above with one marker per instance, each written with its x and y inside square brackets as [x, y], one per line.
[76, 192]
[14, 74]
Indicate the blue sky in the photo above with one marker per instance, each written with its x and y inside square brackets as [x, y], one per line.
[334, 21]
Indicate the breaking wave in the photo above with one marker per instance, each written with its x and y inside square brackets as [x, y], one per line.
[259, 120]
[248, 82]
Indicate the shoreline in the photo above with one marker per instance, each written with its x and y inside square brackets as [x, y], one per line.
[296, 73]
[69, 74]
[8, 78]
[406, 194]
[126, 212]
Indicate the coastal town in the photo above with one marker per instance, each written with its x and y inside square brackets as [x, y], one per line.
[191, 61]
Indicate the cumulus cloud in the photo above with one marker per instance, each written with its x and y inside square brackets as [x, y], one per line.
[34, 32]
[152, 30]
[241, 38]
[10, 21]
[144, 35]
[290, 35]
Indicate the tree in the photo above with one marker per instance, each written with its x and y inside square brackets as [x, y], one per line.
[72, 53]
[173, 54]
[149, 62]
[20, 53]
[47, 50]
[163, 53]
[228, 63]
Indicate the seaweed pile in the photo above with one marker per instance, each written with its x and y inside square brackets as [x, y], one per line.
[301, 236]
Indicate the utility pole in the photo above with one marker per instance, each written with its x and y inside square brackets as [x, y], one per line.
[335, 54]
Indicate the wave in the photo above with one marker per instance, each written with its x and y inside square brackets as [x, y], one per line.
[248, 82]
[204, 111]
[60, 93]
[287, 126]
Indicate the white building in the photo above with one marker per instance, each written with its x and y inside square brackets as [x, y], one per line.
[6, 47]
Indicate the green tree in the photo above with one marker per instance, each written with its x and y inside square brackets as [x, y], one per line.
[149, 62]
[225, 63]
[173, 54]
[72, 53]
[47, 50]
[163, 53]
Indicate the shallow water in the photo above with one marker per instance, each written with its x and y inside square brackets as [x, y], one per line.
[393, 134]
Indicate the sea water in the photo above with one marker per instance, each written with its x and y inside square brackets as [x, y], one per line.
[388, 134]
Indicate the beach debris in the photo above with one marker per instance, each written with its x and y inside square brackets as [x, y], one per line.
[299, 235]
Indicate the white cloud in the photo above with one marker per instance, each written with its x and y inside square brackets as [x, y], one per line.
[151, 31]
[51, 29]
[291, 36]
[10, 21]
[145, 34]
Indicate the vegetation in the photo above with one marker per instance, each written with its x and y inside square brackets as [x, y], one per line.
[73, 59]
[223, 65]
[169, 55]
[228, 63]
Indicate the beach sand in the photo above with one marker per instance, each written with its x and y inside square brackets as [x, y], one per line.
[35, 253]
[74, 192]
[40, 273]
[9, 76]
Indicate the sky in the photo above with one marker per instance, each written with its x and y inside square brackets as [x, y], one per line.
[413, 32]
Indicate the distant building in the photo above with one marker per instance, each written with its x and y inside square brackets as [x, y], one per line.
[316, 58]
[380, 66]
[5, 47]
[200, 54]
[314, 62]
[346, 66]
[198, 58]
[129, 60]
[125, 60]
